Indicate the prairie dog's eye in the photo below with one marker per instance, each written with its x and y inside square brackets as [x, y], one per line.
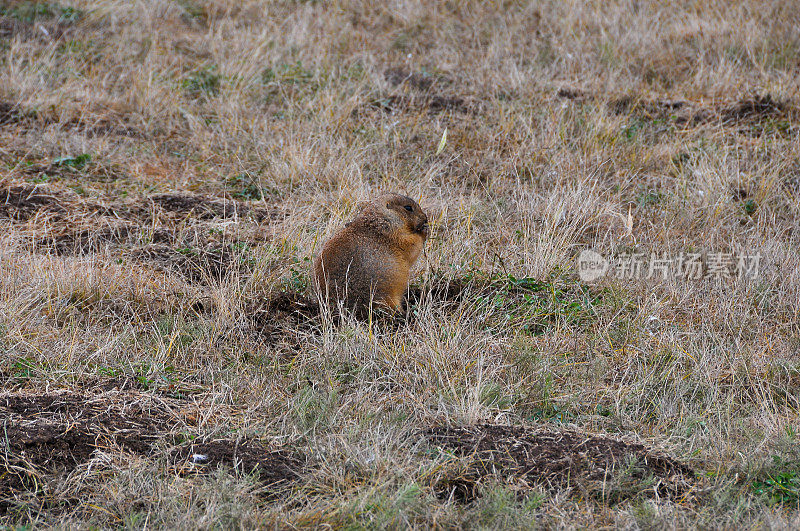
[409, 208]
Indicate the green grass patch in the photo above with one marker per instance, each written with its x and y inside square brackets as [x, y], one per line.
[206, 80]
[244, 186]
[33, 11]
[534, 306]
[781, 485]
[77, 162]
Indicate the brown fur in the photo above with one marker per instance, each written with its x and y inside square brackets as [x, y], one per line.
[369, 259]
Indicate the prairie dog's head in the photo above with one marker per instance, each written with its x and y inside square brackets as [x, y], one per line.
[402, 210]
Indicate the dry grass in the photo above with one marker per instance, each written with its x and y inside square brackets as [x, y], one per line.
[168, 167]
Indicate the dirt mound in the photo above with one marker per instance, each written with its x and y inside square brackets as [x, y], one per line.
[49, 435]
[432, 103]
[211, 263]
[602, 467]
[449, 291]
[690, 114]
[10, 113]
[153, 231]
[38, 422]
[533, 305]
[571, 94]
[54, 433]
[207, 208]
[273, 467]
[287, 310]
[759, 107]
[416, 80]
[22, 202]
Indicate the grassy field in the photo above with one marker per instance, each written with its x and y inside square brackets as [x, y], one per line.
[168, 170]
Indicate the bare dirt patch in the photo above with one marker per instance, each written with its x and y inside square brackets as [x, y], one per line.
[211, 263]
[446, 291]
[20, 202]
[273, 467]
[278, 317]
[24, 201]
[170, 232]
[43, 31]
[759, 108]
[430, 103]
[290, 310]
[597, 466]
[422, 81]
[204, 207]
[531, 304]
[49, 435]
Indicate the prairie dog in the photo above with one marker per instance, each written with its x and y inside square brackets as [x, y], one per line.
[369, 259]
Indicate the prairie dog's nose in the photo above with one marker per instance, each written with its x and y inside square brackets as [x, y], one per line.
[423, 227]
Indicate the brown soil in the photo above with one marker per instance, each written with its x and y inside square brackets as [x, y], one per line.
[285, 311]
[597, 466]
[20, 202]
[448, 291]
[51, 434]
[571, 94]
[48, 435]
[76, 226]
[211, 263]
[45, 30]
[690, 114]
[288, 310]
[204, 207]
[759, 107]
[431, 103]
[24, 201]
[273, 467]
[398, 76]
